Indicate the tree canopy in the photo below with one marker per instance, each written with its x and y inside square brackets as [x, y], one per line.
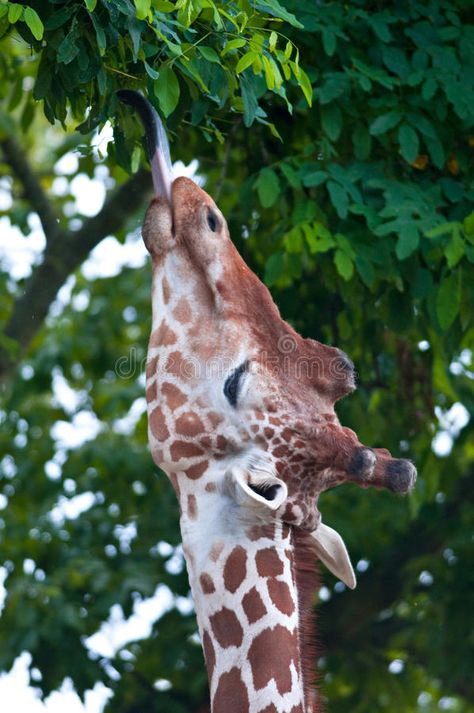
[338, 140]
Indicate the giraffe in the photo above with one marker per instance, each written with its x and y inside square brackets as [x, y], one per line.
[242, 420]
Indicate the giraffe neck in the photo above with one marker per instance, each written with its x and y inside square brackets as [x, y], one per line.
[245, 584]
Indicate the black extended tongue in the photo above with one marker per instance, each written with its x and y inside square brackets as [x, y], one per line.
[157, 142]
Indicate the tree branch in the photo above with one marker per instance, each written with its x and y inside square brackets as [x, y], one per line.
[64, 253]
[33, 191]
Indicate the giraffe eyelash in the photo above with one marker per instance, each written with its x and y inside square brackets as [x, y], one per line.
[232, 383]
[212, 220]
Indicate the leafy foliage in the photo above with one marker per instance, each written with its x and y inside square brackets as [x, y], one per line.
[338, 139]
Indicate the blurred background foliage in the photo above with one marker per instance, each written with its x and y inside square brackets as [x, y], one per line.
[338, 140]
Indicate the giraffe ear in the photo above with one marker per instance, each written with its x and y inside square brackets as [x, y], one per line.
[256, 489]
[331, 550]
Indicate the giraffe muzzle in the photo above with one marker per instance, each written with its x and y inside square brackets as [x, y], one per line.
[156, 140]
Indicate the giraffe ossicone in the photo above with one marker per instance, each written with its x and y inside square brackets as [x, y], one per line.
[242, 420]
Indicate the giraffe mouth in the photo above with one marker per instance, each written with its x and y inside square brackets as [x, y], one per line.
[156, 139]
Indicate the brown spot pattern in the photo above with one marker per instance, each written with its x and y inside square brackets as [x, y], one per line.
[226, 628]
[209, 653]
[231, 694]
[214, 418]
[235, 569]
[151, 365]
[182, 311]
[280, 451]
[195, 471]
[174, 396]
[221, 443]
[270, 656]
[166, 291]
[207, 585]
[281, 596]
[253, 606]
[182, 449]
[269, 709]
[158, 424]
[174, 363]
[192, 507]
[189, 424]
[163, 336]
[268, 563]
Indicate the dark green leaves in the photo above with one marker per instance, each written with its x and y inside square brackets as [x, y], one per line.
[268, 187]
[384, 123]
[166, 89]
[448, 299]
[409, 143]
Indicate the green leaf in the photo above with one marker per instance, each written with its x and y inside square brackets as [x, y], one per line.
[293, 240]
[143, 8]
[152, 73]
[274, 8]
[33, 21]
[209, 53]
[448, 300]
[331, 120]
[344, 264]
[91, 4]
[318, 237]
[409, 143]
[249, 98]
[274, 268]
[314, 178]
[272, 41]
[395, 60]
[338, 198]
[436, 151]
[268, 187]
[245, 61]
[454, 249]
[290, 175]
[166, 89]
[305, 84]
[362, 142]
[408, 240]
[269, 76]
[366, 270]
[69, 48]
[329, 42]
[15, 11]
[384, 123]
[442, 229]
[233, 45]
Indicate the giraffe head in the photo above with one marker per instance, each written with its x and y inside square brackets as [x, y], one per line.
[233, 390]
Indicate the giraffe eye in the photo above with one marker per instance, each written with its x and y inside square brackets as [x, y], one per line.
[231, 386]
[212, 221]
